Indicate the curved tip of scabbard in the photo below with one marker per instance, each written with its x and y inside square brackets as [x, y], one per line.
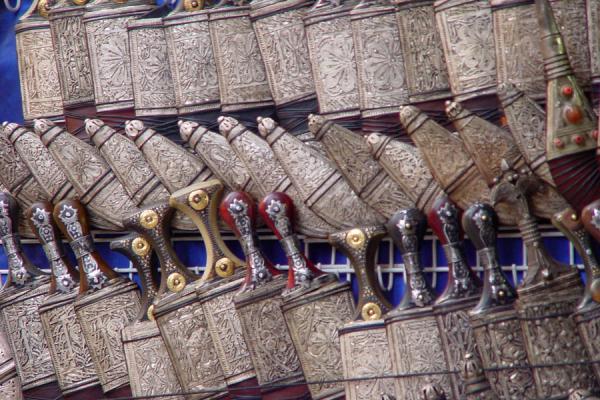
[134, 128]
[186, 129]
[92, 126]
[227, 124]
[40, 126]
[266, 126]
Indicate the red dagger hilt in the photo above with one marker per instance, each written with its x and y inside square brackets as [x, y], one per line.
[277, 210]
[239, 212]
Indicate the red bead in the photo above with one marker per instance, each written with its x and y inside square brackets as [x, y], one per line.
[558, 143]
[578, 140]
[567, 91]
[594, 134]
[573, 114]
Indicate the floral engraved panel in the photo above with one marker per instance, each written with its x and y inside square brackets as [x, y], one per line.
[40, 88]
[589, 330]
[72, 58]
[70, 354]
[469, 48]
[380, 62]
[594, 37]
[417, 348]
[102, 322]
[24, 329]
[152, 81]
[424, 60]
[314, 329]
[14, 172]
[242, 75]
[11, 389]
[271, 348]
[282, 42]
[226, 331]
[109, 54]
[192, 63]
[188, 340]
[334, 68]
[366, 353]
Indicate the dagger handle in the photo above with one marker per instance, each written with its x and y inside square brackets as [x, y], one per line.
[481, 223]
[64, 277]
[138, 249]
[407, 229]
[153, 222]
[444, 220]
[239, 213]
[72, 220]
[360, 246]
[200, 203]
[277, 210]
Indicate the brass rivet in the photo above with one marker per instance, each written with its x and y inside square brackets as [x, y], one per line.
[371, 312]
[356, 238]
[198, 199]
[224, 267]
[140, 246]
[574, 217]
[176, 282]
[149, 219]
[150, 312]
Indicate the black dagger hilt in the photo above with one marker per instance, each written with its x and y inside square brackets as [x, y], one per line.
[138, 249]
[200, 203]
[444, 221]
[153, 223]
[22, 271]
[481, 223]
[64, 277]
[277, 210]
[407, 229]
[239, 212]
[360, 246]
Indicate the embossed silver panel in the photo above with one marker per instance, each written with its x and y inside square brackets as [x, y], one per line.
[70, 354]
[465, 27]
[379, 56]
[331, 49]
[365, 353]
[313, 319]
[148, 363]
[192, 62]
[593, 18]
[153, 91]
[263, 325]
[72, 57]
[241, 71]
[109, 55]
[38, 74]
[103, 315]
[424, 62]
[282, 40]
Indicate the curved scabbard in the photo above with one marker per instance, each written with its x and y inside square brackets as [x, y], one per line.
[360, 246]
[319, 184]
[153, 223]
[366, 177]
[405, 165]
[277, 210]
[448, 160]
[95, 183]
[200, 203]
[138, 249]
[64, 275]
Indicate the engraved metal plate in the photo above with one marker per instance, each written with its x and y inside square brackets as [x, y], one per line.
[282, 40]
[102, 316]
[331, 49]
[151, 372]
[263, 325]
[588, 323]
[313, 319]
[380, 61]
[241, 71]
[38, 74]
[72, 57]
[110, 59]
[153, 90]
[465, 27]
[26, 336]
[192, 62]
[424, 62]
[11, 389]
[70, 354]
[593, 18]
[365, 353]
